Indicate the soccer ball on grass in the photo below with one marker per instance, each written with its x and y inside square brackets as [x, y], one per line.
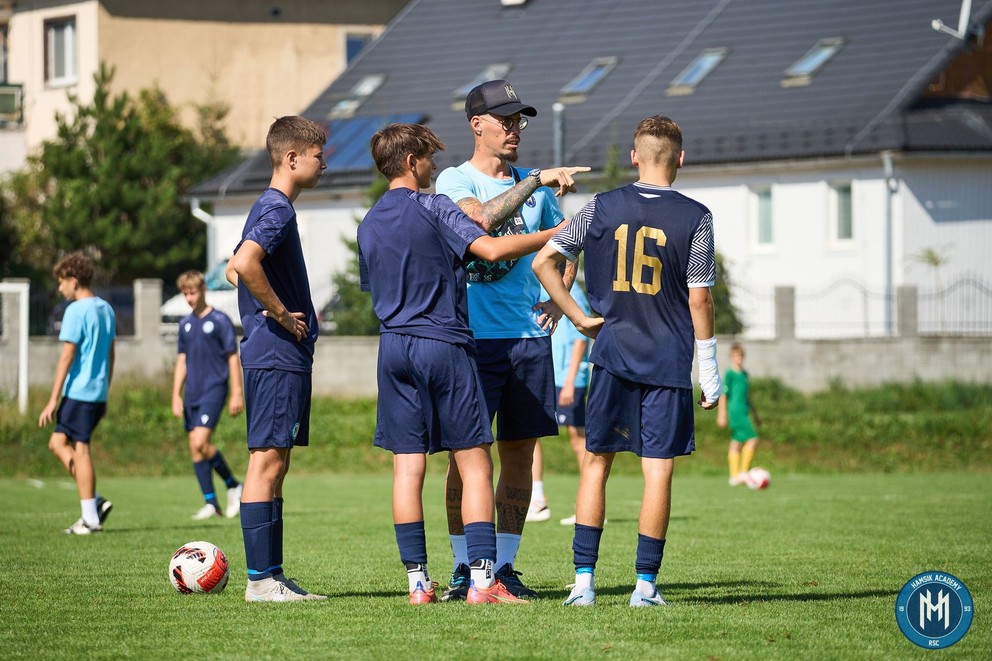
[198, 567]
[758, 478]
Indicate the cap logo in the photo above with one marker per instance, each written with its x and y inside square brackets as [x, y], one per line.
[509, 91]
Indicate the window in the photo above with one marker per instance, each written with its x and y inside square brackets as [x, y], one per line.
[60, 51]
[3, 54]
[592, 75]
[842, 217]
[362, 90]
[492, 72]
[354, 43]
[764, 234]
[686, 82]
[803, 70]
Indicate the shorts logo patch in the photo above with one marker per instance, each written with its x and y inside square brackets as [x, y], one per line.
[561, 418]
[204, 418]
[208, 327]
[295, 431]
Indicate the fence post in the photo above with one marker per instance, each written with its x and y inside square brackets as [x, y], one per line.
[147, 301]
[907, 311]
[785, 313]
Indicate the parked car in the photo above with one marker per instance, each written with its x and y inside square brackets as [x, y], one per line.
[221, 295]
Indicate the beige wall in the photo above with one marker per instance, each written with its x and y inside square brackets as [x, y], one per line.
[233, 51]
[261, 71]
[26, 64]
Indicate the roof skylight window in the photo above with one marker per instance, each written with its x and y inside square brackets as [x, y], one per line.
[803, 70]
[686, 82]
[491, 72]
[592, 75]
[362, 90]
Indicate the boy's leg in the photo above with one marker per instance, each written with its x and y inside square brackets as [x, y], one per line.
[199, 450]
[538, 509]
[476, 471]
[408, 524]
[734, 463]
[747, 454]
[656, 508]
[590, 513]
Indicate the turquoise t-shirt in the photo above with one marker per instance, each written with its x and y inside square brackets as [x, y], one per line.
[563, 339]
[89, 323]
[502, 309]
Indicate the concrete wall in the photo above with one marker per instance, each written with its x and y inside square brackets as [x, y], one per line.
[346, 366]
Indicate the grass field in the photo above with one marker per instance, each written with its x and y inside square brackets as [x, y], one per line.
[808, 569]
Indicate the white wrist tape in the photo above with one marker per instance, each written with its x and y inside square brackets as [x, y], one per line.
[709, 371]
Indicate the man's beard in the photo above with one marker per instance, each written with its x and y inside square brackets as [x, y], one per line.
[510, 155]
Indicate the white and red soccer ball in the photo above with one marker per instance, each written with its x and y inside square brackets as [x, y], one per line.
[198, 567]
[758, 478]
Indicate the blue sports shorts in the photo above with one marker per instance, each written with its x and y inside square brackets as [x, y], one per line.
[573, 415]
[77, 419]
[650, 421]
[518, 377]
[430, 397]
[277, 408]
[202, 414]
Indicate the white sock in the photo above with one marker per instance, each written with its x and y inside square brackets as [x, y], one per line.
[507, 545]
[90, 516]
[585, 580]
[482, 575]
[537, 493]
[459, 550]
[647, 588]
[418, 575]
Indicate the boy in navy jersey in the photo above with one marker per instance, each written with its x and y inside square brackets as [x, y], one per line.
[649, 266]
[82, 380]
[208, 360]
[280, 329]
[412, 250]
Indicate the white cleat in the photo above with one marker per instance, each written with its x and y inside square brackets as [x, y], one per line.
[81, 528]
[233, 502]
[273, 589]
[640, 600]
[208, 511]
[538, 511]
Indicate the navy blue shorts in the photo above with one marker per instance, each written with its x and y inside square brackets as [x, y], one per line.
[430, 397]
[650, 421]
[573, 415]
[518, 377]
[202, 414]
[277, 408]
[77, 419]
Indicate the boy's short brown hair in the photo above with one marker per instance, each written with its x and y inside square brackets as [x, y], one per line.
[191, 279]
[75, 265]
[391, 145]
[292, 133]
[658, 138]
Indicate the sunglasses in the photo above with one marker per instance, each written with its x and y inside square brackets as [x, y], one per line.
[507, 124]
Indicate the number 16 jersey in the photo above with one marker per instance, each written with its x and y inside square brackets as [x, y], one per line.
[645, 247]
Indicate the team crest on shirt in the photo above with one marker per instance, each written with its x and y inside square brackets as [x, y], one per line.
[204, 418]
[187, 326]
[208, 327]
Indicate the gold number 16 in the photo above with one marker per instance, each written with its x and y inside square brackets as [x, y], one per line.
[641, 261]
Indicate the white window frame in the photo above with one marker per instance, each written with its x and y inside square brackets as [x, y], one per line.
[835, 208]
[358, 94]
[755, 206]
[70, 73]
[696, 71]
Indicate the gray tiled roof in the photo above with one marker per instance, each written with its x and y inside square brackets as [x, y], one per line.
[866, 99]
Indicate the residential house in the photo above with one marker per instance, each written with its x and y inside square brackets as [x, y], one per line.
[844, 147]
[261, 58]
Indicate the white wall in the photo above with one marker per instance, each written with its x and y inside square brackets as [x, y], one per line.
[941, 203]
[324, 226]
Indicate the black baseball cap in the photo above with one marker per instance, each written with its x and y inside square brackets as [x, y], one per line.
[497, 97]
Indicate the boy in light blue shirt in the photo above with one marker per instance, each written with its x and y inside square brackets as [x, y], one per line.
[82, 380]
